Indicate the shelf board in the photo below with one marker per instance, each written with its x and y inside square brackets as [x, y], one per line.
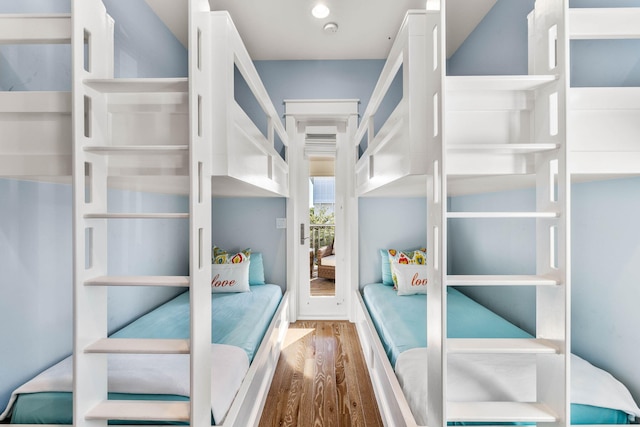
[139, 346]
[140, 410]
[507, 215]
[165, 85]
[494, 412]
[137, 149]
[137, 216]
[490, 83]
[35, 28]
[504, 148]
[500, 346]
[500, 280]
[175, 281]
[604, 23]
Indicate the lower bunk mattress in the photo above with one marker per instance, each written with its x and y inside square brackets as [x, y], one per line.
[239, 322]
[597, 397]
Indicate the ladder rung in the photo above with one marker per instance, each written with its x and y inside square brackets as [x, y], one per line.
[137, 216]
[139, 346]
[177, 281]
[533, 215]
[504, 148]
[137, 149]
[500, 346]
[140, 85]
[140, 410]
[499, 412]
[500, 280]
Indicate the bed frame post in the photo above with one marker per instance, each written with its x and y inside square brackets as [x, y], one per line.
[435, 71]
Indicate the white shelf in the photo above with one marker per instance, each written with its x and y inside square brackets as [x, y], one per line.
[170, 281]
[509, 83]
[137, 149]
[491, 412]
[137, 216]
[500, 280]
[167, 85]
[532, 215]
[35, 28]
[140, 410]
[139, 346]
[500, 346]
[604, 23]
[503, 148]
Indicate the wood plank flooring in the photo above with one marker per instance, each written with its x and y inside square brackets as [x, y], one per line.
[321, 287]
[321, 379]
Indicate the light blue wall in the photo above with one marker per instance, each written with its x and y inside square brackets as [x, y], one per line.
[605, 233]
[388, 223]
[251, 223]
[35, 218]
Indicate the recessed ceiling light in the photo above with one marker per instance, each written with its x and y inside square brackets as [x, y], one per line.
[320, 11]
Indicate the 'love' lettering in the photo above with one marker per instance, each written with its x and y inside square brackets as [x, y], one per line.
[416, 281]
[217, 283]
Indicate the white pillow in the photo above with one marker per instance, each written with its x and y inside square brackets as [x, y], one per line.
[412, 278]
[230, 277]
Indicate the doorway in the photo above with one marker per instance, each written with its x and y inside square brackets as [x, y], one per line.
[322, 226]
[320, 276]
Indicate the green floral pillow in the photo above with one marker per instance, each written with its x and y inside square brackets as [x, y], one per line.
[221, 256]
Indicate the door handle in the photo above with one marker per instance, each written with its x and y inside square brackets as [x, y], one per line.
[302, 238]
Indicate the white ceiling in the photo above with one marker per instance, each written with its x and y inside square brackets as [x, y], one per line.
[285, 29]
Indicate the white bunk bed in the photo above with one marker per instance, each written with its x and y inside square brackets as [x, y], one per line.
[455, 135]
[183, 136]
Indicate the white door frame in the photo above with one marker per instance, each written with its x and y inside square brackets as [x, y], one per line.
[339, 116]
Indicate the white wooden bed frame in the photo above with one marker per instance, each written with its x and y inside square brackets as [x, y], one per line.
[492, 152]
[160, 146]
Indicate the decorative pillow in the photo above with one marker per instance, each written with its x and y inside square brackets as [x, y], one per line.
[412, 278]
[419, 256]
[233, 277]
[221, 256]
[390, 255]
[256, 269]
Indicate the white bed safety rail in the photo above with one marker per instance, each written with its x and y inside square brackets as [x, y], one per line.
[405, 129]
[35, 126]
[251, 156]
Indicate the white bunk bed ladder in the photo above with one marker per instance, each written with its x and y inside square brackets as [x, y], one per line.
[119, 126]
[538, 102]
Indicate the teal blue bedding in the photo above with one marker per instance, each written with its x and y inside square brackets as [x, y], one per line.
[400, 323]
[239, 319]
[400, 320]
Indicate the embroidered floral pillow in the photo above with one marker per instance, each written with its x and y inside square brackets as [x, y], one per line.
[418, 257]
[221, 256]
[412, 278]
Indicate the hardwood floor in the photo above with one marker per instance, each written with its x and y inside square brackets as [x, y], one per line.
[322, 287]
[321, 379]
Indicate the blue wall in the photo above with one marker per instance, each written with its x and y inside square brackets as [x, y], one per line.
[605, 244]
[35, 218]
[251, 223]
